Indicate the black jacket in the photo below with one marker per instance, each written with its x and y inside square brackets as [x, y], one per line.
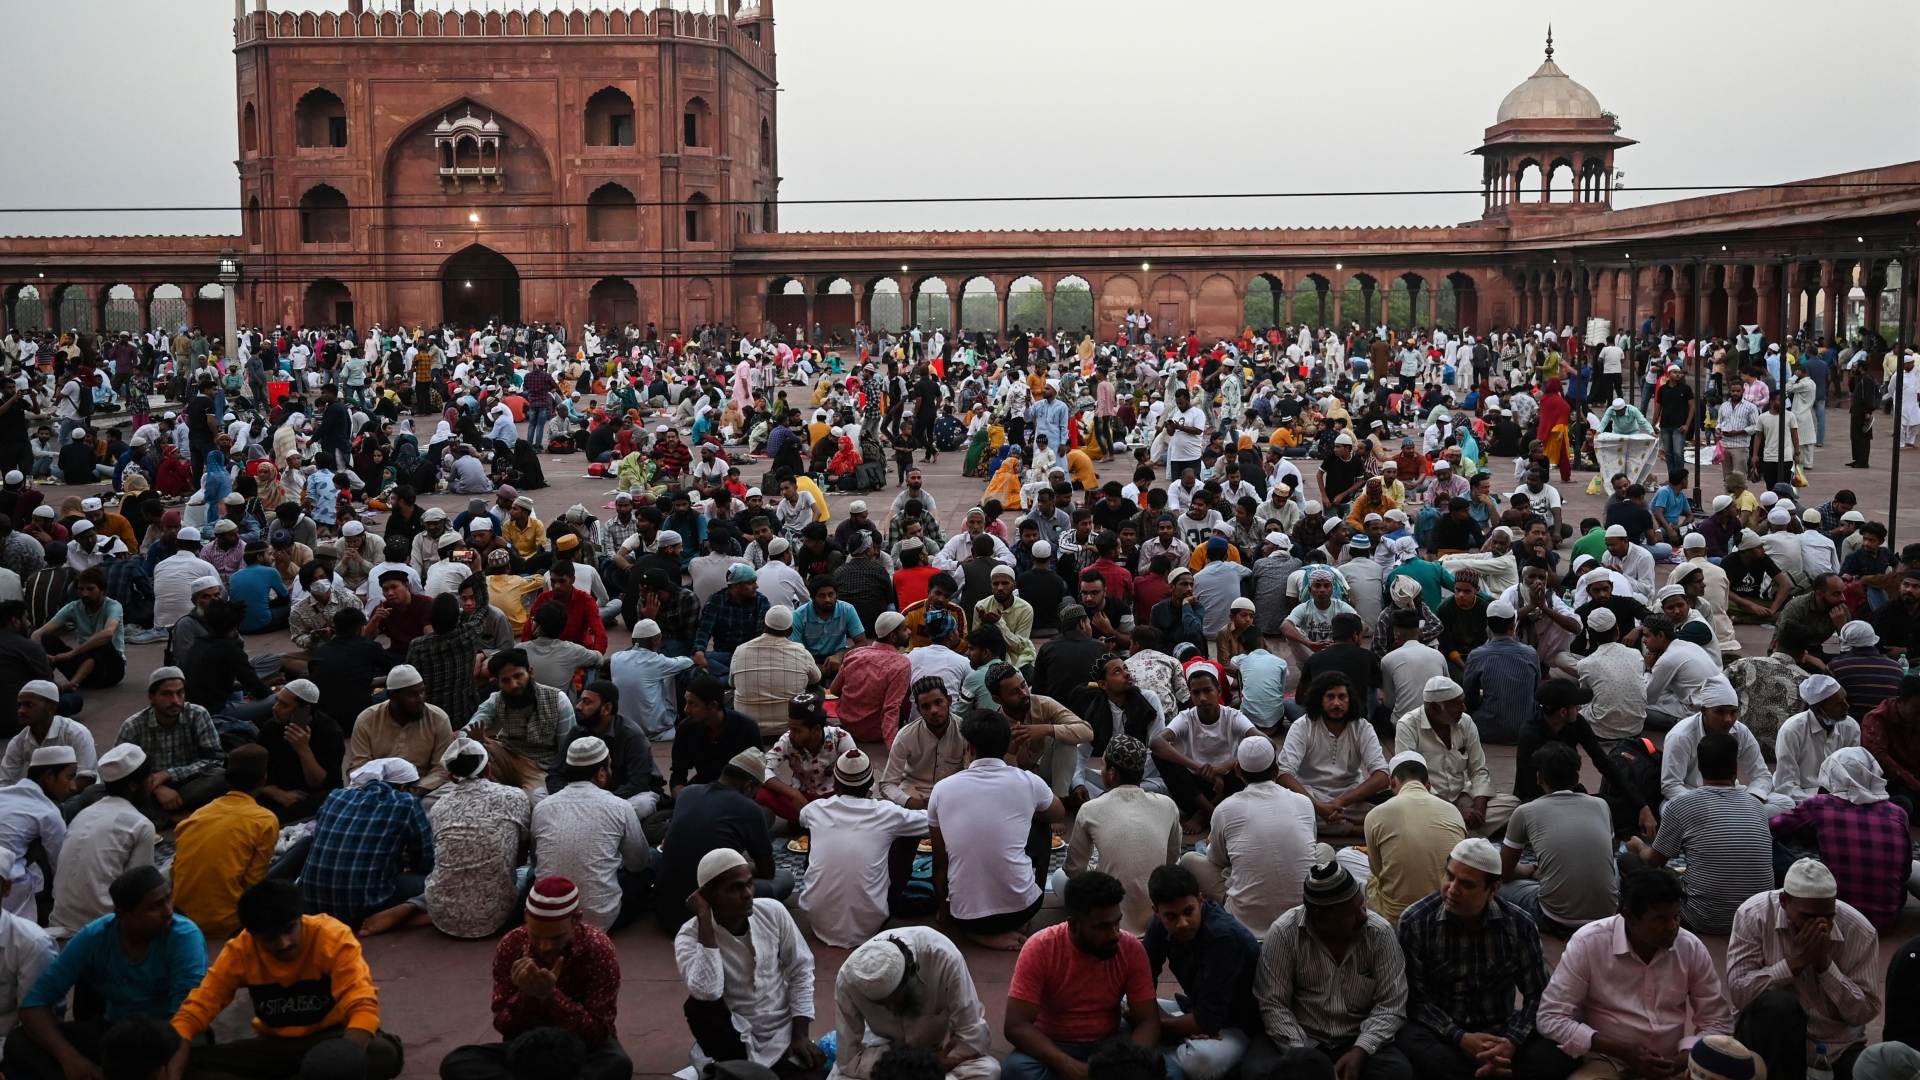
[629, 759]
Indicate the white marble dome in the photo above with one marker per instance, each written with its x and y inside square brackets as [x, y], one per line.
[1549, 95]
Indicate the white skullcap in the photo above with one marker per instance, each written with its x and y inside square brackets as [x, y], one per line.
[1441, 688]
[1721, 502]
[1402, 758]
[587, 750]
[1443, 465]
[403, 676]
[1809, 879]
[1818, 688]
[121, 762]
[717, 862]
[1619, 403]
[1667, 591]
[190, 534]
[1779, 516]
[1858, 634]
[41, 688]
[1001, 570]
[1479, 854]
[667, 538]
[352, 528]
[1693, 541]
[1596, 575]
[1602, 619]
[15, 476]
[1616, 532]
[1768, 498]
[1042, 550]
[1810, 515]
[84, 526]
[647, 630]
[874, 970]
[1255, 753]
[55, 754]
[857, 506]
[90, 505]
[780, 618]
[1500, 609]
[1717, 692]
[391, 770]
[305, 690]
[202, 584]
[1854, 516]
[1314, 507]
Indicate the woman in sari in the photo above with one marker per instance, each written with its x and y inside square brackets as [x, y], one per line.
[846, 461]
[1005, 485]
[218, 481]
[1554, 416]
[978, 449]
[175, 478]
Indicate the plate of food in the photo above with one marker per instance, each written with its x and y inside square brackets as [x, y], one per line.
[800, 845]
[1059, 841]
[926, 846]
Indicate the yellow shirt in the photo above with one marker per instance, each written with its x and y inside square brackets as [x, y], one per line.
[806, 484]
[528, 539]
[221, 849]
[509, 593]
[329, 953]
[1080, 468]
[1409, 838]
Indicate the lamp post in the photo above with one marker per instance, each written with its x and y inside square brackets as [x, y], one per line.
[229, 286]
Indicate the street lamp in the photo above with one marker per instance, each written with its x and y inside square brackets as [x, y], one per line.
[229, 286]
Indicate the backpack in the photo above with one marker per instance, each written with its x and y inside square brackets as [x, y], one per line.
[1637, 761]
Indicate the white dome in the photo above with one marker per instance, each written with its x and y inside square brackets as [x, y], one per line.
[1549, 95]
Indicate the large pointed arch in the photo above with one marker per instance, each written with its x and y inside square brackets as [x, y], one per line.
[410, 165]
[478, 285]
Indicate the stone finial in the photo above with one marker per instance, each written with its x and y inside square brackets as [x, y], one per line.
[1549, 43]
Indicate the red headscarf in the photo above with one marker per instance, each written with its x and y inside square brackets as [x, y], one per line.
[1554, 410]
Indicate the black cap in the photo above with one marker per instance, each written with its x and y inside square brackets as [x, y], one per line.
[1557, 694]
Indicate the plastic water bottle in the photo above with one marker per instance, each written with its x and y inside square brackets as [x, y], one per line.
[1822, 1067]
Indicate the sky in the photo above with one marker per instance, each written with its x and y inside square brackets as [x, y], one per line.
[969, 98]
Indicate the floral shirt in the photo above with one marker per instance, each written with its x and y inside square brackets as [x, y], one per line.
[477, 829]
[812, 773]
[1159, 674]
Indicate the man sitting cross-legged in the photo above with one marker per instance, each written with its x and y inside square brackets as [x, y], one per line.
[1214, 958]
[555, 971]
[1064, 1000]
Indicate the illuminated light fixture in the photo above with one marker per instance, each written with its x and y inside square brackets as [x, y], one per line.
[1338, 266]
[469, 284]
[903, 268]
[1144, 266]
[475, 218]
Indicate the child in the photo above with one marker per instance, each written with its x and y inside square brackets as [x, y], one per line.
[903, 447]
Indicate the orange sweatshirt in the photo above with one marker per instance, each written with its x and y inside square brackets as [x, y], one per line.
[328, 984]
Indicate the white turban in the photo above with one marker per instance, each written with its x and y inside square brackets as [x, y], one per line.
[1851, 773]
[1405, 591]
[392, 770]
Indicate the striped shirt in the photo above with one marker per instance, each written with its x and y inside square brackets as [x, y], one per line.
[1867, 676]
[1722, 832]
[1839, 1001]
[1307, 998]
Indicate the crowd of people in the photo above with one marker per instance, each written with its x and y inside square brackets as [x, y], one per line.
[1228, 717]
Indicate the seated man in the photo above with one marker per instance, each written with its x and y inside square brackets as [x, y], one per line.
[828, 626]
[1803, 969]
[926, 751]
[404, 726]
[1333, 1017]
[554, 971]
[1680, 671]
[1214, 957]
[731, 931]
[41, 725]
[308, 983]
[30, 819]
[29, 952]
[105, 840]
[1333, 756]
[709, 817]
[401, 614]
[1446, 739]
[223, 848]
[1595, 1005]
[372, 845]
[1133, 831]
[589, 835]
[99, 960]
[521, 723]
[1409, 838]
[1461, 1026]
[304, 749]
[909, 989]
[98, 655]
[861, 859]
[1262, 844]
[1719, 714]
[873, 683]
[1722, 834]
[1807, 739]
[1196, 749]
[985, 820]
[179, 744]
[1068, 985]
[1859, 832]
[1572, 880]
[633, 774]
[708, 737]
[808, 750]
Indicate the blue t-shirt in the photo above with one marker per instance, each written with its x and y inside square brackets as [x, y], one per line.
[256, 586]
[88, 623]
[824, 636]
[1669, 504]
[176, 961]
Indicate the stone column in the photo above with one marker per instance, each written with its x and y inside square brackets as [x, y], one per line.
[1766, 306]
[1047, 291]
[1433, 306]
[1874, 282]
[1000, 297]
[954, 298]
[1730, 280]
[859, 306]
[1339, 290]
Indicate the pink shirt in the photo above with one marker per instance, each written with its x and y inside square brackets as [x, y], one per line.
[1602, 988]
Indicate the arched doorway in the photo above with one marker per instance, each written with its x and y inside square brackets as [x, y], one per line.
[477, 286]
[614, 304]
[328, 303]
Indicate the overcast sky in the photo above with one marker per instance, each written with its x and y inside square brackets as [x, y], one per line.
[131, 103]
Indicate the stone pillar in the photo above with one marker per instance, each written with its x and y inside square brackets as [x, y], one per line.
[1047, 291]
[1730, 280]
[1339, 290]
[1000, 294]
[1433, 306]
[1874, 281]
[954, 299]
[1766, 306]
[1287, 300]
[859, 306]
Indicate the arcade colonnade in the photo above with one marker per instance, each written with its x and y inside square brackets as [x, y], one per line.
[1213, 302]
[133, 305]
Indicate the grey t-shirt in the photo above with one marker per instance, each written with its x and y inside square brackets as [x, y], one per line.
[1723, 833]
[1572, 837]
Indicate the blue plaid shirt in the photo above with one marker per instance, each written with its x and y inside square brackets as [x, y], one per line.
[364, 838]
[129, 582]
[728, 625]
[1459, 982]
[185, 750]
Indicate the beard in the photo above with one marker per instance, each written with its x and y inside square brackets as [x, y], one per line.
[404, 712]
[912, 1002]
[1099, 952]
[521, 698]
